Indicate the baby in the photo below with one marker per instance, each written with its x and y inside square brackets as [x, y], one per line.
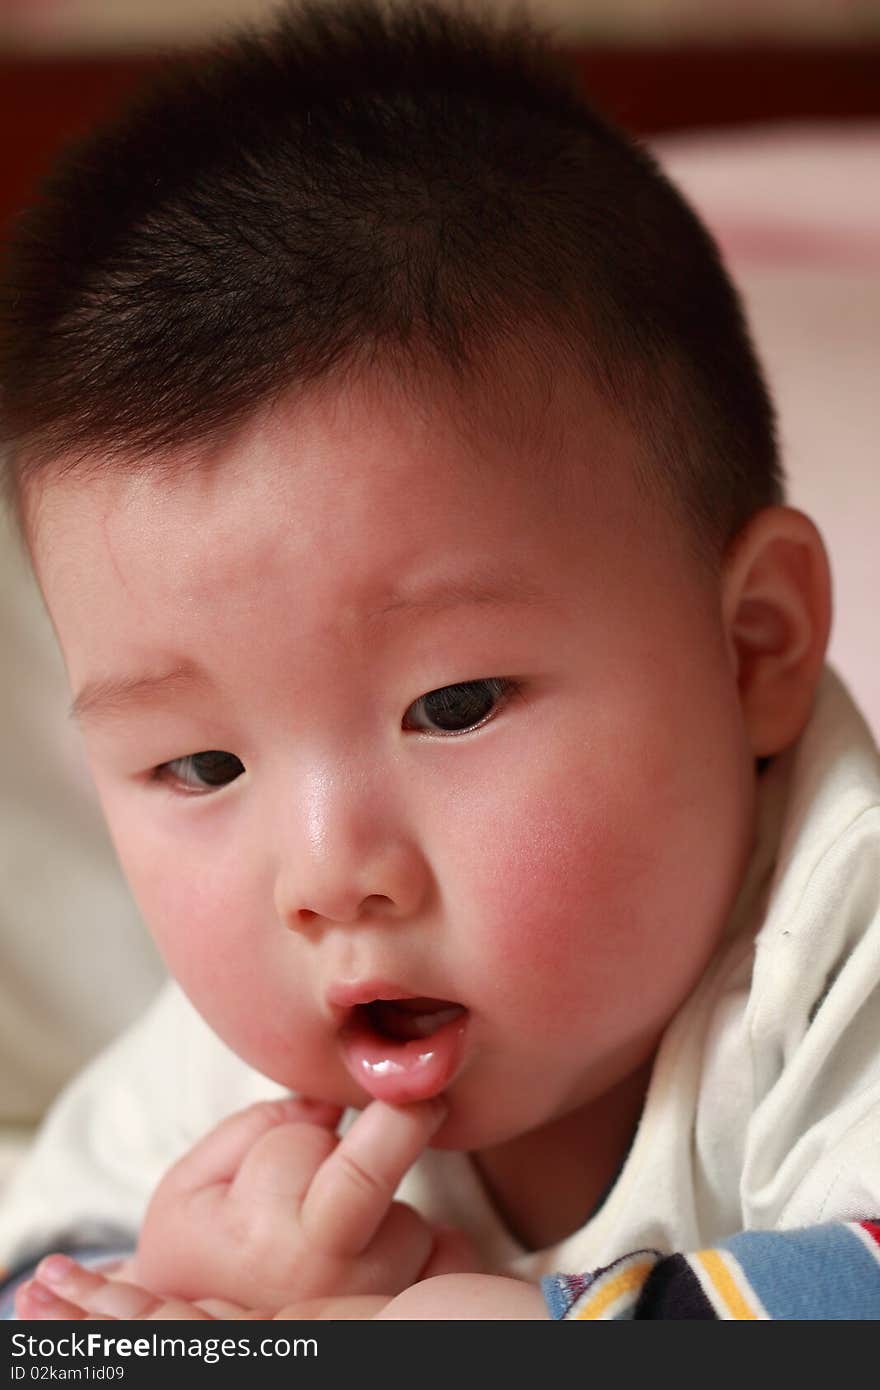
[402, 485]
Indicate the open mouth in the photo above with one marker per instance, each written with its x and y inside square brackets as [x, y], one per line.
[405, 1049]
[405, 1019]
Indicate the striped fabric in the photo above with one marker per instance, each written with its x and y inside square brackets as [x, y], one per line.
[819, 1273]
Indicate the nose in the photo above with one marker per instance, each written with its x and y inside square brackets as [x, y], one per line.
[348, 855]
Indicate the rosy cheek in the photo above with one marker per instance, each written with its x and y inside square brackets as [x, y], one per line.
[188, 915]
[583, 889]
[548, 906]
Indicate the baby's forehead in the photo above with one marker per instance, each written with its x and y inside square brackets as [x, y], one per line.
[416, 452]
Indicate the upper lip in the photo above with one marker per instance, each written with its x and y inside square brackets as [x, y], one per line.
[348, 994]
[345, 995]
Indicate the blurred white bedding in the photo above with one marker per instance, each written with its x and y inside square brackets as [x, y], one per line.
[797, 211]
[75, 963]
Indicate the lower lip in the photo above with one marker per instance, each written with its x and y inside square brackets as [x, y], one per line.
[401, 1072]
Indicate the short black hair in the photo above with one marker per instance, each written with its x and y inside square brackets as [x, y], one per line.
[373, 182]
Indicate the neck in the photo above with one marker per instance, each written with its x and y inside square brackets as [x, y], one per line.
[547, 1183]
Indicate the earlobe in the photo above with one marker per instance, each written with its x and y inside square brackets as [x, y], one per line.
[776, 594]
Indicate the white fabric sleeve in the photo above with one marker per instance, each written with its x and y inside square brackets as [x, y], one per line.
[118, 1126]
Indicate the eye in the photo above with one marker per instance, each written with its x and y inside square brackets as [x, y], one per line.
[457, 709]
[201, 772]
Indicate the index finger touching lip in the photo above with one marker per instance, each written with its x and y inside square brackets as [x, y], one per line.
[351, 1192]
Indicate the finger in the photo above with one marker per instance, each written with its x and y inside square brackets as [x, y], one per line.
[63, 1289]
[217, 1157]
[396, 1255]
[33, 1301]
[91, 1291]
[277, 1171]
[353, 1189]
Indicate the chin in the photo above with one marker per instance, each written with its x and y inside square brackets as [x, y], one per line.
[474, 1123]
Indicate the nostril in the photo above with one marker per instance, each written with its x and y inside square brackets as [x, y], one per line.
[378, 899]
[368, 908]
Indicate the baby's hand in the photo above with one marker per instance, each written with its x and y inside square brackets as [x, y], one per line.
[63, 1291]
[272, 1206]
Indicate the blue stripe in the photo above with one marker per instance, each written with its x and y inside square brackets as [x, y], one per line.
[819, 1273]
[557, 1295]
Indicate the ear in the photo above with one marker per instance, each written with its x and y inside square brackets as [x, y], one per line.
[776, 596]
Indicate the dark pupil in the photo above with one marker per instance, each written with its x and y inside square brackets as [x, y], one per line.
[459, 706]
[215, 768]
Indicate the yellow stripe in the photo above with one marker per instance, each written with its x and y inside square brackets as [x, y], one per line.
[625, 1282]
[726, 1286]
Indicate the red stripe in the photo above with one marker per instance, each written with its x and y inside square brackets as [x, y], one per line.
[873, 1229]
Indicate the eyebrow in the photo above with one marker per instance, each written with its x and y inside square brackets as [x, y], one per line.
[476, 590]
[108, 696]
[111, 695]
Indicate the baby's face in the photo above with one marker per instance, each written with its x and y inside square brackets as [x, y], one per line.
[381, 708]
